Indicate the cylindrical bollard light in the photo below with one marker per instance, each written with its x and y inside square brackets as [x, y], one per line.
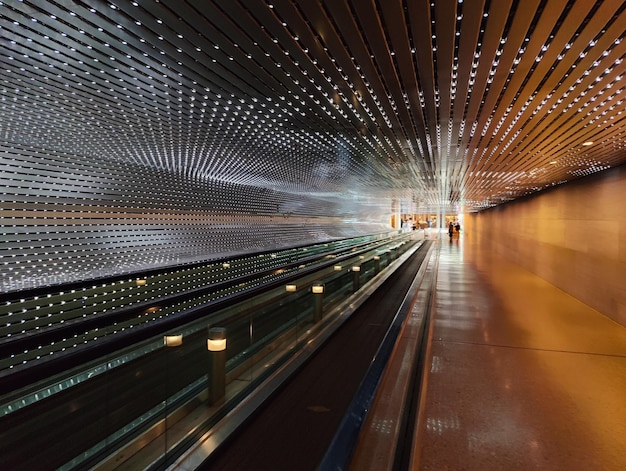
[173, 340]
[318, 293]
[377, 264]
[356, 278]
[216, 345]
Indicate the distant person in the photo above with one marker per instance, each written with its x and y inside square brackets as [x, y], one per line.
[450, 229]
[458, 226]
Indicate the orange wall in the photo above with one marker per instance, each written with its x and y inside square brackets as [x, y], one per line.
[573, 236]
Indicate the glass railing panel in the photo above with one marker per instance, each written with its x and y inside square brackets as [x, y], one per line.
[161, 389]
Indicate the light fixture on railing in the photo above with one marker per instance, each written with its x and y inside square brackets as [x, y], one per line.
[317, 289]
[216, 345]
[356, 278]
[216, 342]
[318, 307]
[173, 340]
[290, 288]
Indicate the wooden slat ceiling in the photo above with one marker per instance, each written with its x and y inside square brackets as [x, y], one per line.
[444, 104]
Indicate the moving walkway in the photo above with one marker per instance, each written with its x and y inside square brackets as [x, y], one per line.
[106, 389]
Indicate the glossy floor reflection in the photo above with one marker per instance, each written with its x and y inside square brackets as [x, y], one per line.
[522, 376]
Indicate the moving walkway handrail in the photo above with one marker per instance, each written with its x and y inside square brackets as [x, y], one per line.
[339, 454]
[213, 439]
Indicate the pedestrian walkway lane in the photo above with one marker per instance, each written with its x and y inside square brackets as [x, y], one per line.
[521, 375]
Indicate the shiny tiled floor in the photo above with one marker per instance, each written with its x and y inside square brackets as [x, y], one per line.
[522, 376]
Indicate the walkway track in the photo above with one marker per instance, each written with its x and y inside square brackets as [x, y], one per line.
[295, 427]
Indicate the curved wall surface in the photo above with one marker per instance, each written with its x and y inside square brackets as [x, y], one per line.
[69, 218]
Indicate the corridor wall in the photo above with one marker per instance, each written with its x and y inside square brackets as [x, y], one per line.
[573, 236]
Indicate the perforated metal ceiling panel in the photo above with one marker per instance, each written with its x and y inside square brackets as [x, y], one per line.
[490, 99]
[316, 108]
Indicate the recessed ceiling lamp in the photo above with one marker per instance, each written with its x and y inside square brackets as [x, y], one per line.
[587, 143]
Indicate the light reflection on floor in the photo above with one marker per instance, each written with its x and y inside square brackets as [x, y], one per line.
[522, 376]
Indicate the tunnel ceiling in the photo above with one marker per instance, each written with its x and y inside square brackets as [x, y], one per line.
[444, 104]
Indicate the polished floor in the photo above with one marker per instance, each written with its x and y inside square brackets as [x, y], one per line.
[522, 376]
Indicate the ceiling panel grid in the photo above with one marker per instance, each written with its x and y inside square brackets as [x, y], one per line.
[332, 109]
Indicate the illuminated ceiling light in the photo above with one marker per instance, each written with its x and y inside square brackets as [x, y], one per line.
[587, 143]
